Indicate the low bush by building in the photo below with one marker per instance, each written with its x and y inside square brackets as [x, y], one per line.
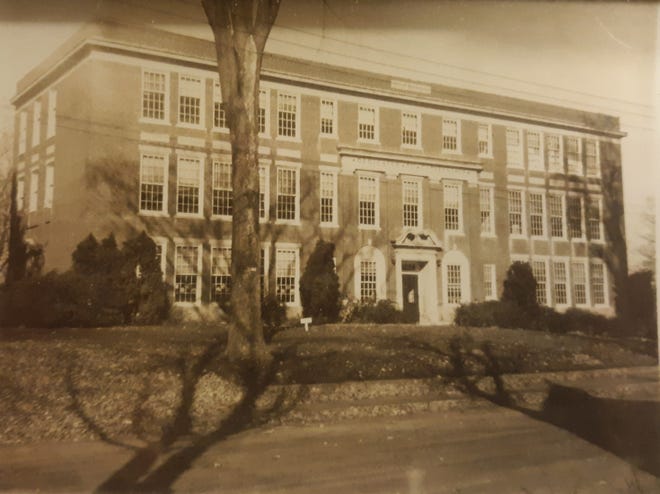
[370, 311]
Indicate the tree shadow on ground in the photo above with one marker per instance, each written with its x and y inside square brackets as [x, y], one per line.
[164, 457]
[629, 429]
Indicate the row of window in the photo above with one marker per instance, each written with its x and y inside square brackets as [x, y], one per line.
[36, 122]
[48, 180]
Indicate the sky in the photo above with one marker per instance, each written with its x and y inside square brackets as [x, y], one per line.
[594, 56]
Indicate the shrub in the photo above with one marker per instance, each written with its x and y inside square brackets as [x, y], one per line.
[505, 314]
[319, 285]
[640, 318]
[371, 311]
[520, 286]
[273, 316]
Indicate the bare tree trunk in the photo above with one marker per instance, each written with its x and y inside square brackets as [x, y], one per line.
[241, 29]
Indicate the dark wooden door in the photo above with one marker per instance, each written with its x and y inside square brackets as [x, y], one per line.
[410, 297]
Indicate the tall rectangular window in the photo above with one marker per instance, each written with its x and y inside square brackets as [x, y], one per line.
[536, 214]
[22, 132]
[484, 140]
[328, 117]
[34, 190]
[328, 194]
[263, 192]
[49, 186]
[287, 115]
[154, 95]
[573, 157]
[579, 276]
[591, 157]
[574, 207]
[515, 212]
[593, 220]
[452, 205]
[454, 292]
[534, 160]
[287, 194]
[219, 115]
[553, 153]
[263, 111]
[409, 128]
[486, 210]
[449, 134]
[366, 123]
[190, 99]
[153, 182]
[189, 180]
[411, 203]
[539, 269]
[52, 113]
[597, 282]
[186, 273]
[560, 286]
[20, 192]
[490, 287]
[286, 262]
[513, 148]
[36, 123]
[222, 201]
[556, 208]
[367, 280]
[368, 201]
[221, 273]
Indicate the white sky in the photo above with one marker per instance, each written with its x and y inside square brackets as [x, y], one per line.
[594, 56]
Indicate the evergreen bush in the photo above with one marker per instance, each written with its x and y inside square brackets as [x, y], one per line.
[319, 285]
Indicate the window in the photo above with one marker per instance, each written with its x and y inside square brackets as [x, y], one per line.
[454, 295]
[574, 206]
[20, 192]
[328, 193]
[220, 274]
[153, 182]
[263, 111]
[534, 159]
[484, 140]
[409, 129]
[52, 111]
[36, 123]
[597, 282]
[219, 116]
[222, 191]
[154, 96]
[287, 115]
[450, 134]
[367, 123]
[579, 276]
[188, 191]
[560, 292]
[287, 194]
[593, 220]
[186, 273]
[536, 214]
[539, 269]
[486, 210]
[513, 148]
[591, 157]
[22, 132]
[49, 186]
[161, 254]
[190, 100]
[573, 156]
[490, 288]
[264, 193]
[286, 274]
[556, 207]
[367, 280]
[515, 212]
[34, 190]
[553, 153]
[328, 117]
[368, 201]
[452, 205]
[411, 204]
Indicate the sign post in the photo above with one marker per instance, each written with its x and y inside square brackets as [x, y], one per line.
[306, 321]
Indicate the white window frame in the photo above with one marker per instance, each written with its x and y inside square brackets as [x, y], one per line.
[166, 98]
[459, 186]
[49, 185]
[36, 123]
[544, 260]
[457, 121]
[554, 167]
[329, 172]
[587, 281]
[362, 179]
[33, 200]
[296, 170]
[574, 167]
[583, 236]
[221, 162]
[544, 212]
[224, 246]
[370, 254]
[456, 258]
[296, 98]
[417, 129]
[589, 172]
[198, 287]
[52, 114]
[202, 103]
[564, 217]
[264, 176]
[417, 184]
[489, 140]
[217, 99]
[523, 213]
[201, 159]
[369, 107]
[491, 220]
[281, 247]
[567, 281]
[539, 163]
[165, 155]
[598, 200]
[22, 132]
[334, 118]
[514, 154]
[264, 103]
[606, 292]
[490, 281]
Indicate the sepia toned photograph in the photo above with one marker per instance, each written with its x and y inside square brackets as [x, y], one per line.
[329, 246]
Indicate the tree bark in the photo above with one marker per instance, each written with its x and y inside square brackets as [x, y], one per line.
[241, 29]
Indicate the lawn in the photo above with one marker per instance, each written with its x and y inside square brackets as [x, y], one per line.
[84, 383]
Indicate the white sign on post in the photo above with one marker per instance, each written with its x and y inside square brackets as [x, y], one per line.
[306, 321]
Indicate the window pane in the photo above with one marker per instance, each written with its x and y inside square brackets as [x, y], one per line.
[188, 185]
[485, 210]
[368, 280]
[286, 193]
[368, 190]
[449, 134]
[221, 274]
[453, 284]
[285, 275]
[287, 107]
[411, 203]
[222, 190]
[186, 273]
[152, 182]
[153, 95]
[327, 192]
[366, 123]
[452, 205]
[409, 128]
[515, 212]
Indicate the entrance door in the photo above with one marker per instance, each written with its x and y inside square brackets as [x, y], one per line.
[409, 284]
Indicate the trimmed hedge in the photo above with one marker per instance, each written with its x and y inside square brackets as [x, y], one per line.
[371, 311]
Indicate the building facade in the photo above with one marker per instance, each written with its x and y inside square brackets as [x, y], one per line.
[428, 192]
